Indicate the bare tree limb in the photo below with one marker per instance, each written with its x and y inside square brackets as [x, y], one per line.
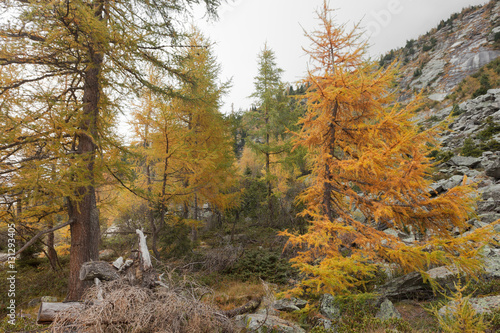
[41, 233]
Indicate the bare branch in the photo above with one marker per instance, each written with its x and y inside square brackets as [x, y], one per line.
[41, 233]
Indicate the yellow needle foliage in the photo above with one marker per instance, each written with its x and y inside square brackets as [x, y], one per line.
[369, 157]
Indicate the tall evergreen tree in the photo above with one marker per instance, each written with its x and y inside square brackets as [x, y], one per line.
[269, 118]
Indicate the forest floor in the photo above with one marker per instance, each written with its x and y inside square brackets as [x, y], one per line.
[253, 266]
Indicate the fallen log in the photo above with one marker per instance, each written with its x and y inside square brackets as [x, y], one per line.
[48, 311]
[251, 306]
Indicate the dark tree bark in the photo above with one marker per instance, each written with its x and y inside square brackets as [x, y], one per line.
[327, 186]
[51, 252]
[85, 234]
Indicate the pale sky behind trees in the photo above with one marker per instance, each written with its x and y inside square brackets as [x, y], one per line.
[245, 25]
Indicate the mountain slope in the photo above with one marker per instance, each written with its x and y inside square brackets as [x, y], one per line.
[439, 60]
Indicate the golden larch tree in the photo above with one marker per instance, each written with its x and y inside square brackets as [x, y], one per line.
[370, 171]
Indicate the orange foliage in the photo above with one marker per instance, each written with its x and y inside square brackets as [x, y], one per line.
[369, 158]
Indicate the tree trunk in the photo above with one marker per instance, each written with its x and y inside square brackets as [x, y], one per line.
[151, 218]
[51, 252]
[268, 167]
[85, 228]
[327, 186]
[194, 230]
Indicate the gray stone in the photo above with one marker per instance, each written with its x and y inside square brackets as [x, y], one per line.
[107, 254]
[438, 97]
[261, 323]
[300, 303]
[487, 205]
[34, 302]
[392, 232]
[446, 184]
[388, 311]
[286, 305]
[445, 276]
[480, 305]
[118, 263]
[493, 192]
[328, 307]
[465, 161]
[491, 263]
[489, 217]
[494, 170]
[326, 324]
[48, 299]
[430, 72]
[268, 312]
[409, 286]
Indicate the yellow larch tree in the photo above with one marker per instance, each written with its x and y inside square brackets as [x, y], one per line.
[368, 156]
[184, 148]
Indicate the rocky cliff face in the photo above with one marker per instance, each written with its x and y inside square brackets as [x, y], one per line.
[458, 47]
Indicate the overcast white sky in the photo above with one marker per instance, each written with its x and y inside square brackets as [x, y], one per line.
[245, 25]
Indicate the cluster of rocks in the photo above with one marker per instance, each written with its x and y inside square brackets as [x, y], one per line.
[330, 312]
[472, 119]
[484, 170]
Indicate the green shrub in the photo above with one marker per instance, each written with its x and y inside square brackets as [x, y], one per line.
[456, 110]
[491, 129]
[175, 239]
[492, 145]
[440, 156]
[262, 264]
[471, 149]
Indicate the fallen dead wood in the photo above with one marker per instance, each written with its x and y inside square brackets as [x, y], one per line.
[133, 297]
[48, 311]
[251, 306]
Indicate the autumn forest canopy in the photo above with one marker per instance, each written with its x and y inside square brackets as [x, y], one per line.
[323, 165]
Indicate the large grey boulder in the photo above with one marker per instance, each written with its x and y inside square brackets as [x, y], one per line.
[261, 323]
[480, 305]
[328, 307]
[490, 196]
[326, 324]
[445, 184]
[409, 286]
[492, 263]
[489, 217]
[289, 305]
[494, 170]
[387, 311]
[465, 161]
[492, 191]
